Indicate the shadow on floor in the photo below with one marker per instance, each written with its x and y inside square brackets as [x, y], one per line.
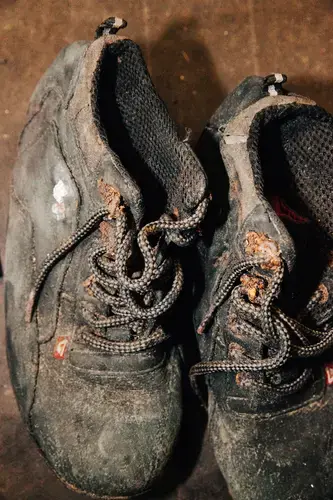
[184, 74]
[319, 90]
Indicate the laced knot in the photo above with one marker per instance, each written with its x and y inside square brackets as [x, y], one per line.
[129, 270]
[253, 286]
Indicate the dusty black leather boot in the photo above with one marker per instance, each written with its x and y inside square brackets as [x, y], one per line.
[265, 317]
[104, 194]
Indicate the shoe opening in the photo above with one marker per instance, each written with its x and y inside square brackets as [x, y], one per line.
[134, 121]
[291, 151]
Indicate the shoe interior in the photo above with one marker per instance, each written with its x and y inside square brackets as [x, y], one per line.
[135, 123]
[291, 150]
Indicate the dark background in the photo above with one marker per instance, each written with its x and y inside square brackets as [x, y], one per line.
[197, 51]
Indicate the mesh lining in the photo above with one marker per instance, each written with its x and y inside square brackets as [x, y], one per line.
[296, 141]
[138, 128]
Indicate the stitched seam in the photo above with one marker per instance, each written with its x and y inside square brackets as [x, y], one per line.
[75, 79]
[28, 123]
[33, 242]
[272, 415]
[116, 374]
[39, 136]
[82, 159]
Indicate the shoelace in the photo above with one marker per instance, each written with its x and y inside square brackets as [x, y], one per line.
[277, 331]
[130, 297]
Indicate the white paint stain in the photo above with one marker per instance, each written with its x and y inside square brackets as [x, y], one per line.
[272, 90]
[60, 192]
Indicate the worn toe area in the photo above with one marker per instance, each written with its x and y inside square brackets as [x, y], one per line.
[283, 457]
[107, 434]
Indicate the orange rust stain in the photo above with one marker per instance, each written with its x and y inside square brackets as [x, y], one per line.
[87, 284]
[108, 237]
[260, 245]
[252, 294]
[324, 293]
[314, 406]
[243, 380]
[111, 198]
[253, 286]
[176, 213]
[150, 229]
[104, 228]
[234, 188]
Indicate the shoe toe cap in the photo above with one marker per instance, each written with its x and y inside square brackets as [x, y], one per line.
[287, 456]
[109, 436]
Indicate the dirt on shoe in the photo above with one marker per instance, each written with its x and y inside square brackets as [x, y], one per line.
[93, 268]
[265, 316]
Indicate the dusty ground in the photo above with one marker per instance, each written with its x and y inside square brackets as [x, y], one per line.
[197, 51]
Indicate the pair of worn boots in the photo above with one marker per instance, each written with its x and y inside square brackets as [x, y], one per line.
[106, 200]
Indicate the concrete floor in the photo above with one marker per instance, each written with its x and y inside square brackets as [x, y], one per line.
[197, 51]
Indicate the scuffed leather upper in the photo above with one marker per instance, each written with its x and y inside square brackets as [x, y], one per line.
[107, 425]
[268, 447]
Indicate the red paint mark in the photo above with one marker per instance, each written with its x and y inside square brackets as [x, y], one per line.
[282, 210]
[329, 374]
[60, 347]
[200, 330]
